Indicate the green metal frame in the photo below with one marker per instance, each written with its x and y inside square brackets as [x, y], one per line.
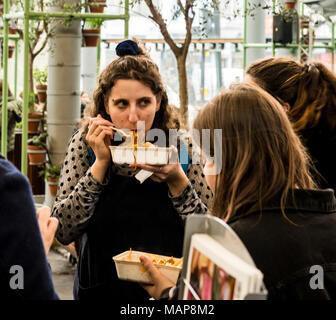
[16, 39]
[273, 46]
[28, 15]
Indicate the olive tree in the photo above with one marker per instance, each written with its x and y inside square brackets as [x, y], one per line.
[186, 9]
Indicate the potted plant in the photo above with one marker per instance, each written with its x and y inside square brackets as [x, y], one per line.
[97, 6]
[11, 49]
[12, 26]
[92, 33]
[37, 149]
[290, 4]
[40, 76]
[34, 117]
[51, 173]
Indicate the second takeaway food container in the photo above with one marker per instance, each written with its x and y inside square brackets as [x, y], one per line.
[133, 270]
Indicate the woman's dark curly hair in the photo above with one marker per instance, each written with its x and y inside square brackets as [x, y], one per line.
[135, 67]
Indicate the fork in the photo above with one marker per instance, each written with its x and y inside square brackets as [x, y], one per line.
[121, 132]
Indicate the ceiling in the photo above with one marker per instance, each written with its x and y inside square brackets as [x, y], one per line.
[328, 7]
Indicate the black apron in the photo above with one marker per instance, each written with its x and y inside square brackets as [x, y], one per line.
[128, 215]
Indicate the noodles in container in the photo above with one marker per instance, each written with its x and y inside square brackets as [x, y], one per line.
[129, 267]
[134, 152]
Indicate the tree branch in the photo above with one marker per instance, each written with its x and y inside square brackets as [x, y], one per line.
[36, 53]
[157, 18]
[181, 6]
[20, 32]
[22, 5]
[38, 33]
[189, 21]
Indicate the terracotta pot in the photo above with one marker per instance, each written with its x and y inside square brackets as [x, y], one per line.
[11, 30]
[91, 37]
[52, 183]
[304, 22]
[97, 8]
[41, 92]
[36, 155]
[290, 5]
[34, 120]
[10, 51]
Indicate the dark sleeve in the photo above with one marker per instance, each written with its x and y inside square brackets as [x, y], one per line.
[21, 246]
[171, 293]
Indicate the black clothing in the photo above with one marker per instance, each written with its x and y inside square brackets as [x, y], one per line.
[151, 224]
[284, 252]
[79, 193]
[21, 246]
[321, 144]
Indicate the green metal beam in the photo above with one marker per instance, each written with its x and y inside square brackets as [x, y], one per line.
[290, 45]
[33, 15]
[4, 119]
[126, 14]
[98, 57]
[24, 162]
[203, 73]
[273, 44]
[16, 68]
[333, 46]
[11, 36]
[245, 36]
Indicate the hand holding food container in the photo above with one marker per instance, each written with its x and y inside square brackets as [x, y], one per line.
[160, 282]
[129, 266]
[145, 155]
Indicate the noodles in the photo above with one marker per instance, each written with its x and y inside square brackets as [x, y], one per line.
[156, 259]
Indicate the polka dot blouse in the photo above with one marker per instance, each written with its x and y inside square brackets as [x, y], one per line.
[78, 192]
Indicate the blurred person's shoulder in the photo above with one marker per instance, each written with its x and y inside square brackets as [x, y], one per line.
[6, 166]
[9, 174]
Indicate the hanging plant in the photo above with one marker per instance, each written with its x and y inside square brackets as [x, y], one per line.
[91, 33]
[12, 27]
[40, 76]
[51, 173]
[34, 118]
[290, 4]
[97, 6]
[11, 49]
[37, 149]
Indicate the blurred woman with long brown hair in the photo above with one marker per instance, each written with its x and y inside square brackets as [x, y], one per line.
[263, 189]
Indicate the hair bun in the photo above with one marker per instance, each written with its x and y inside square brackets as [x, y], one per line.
[127, 47]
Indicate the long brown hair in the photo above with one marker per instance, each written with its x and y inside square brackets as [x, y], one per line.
[136, 67]
[262, 157]
[309, 89]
